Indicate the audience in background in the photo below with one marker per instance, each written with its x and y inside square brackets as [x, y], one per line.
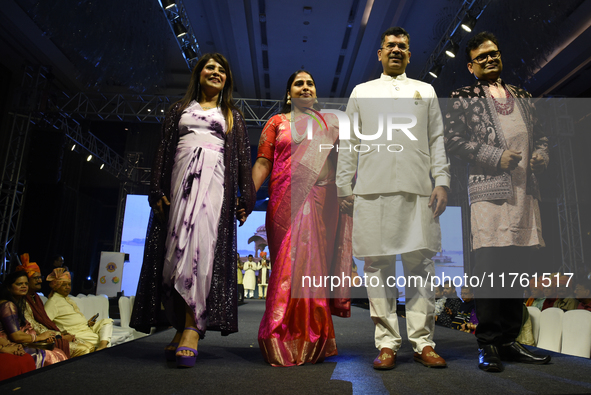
[549, 292]
[565, 296]
[439, 300]
[239, 279]
[583, 293]
[249, 280]
[465, 320]
[14, 326]
[264, 268]
[36, 315]
[537, 294]
[451, 307]
[65, 313]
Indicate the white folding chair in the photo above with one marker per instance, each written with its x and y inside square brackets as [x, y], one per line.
[551, 329]
[125, 311]
[534, 314]
[80, 302]
[576, 333]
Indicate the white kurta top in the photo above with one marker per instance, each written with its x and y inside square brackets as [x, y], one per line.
[66, 315]
[392, 189]
[263, 271]
[249, 280]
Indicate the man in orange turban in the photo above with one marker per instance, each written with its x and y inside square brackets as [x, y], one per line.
[34, 311]
[28, 267]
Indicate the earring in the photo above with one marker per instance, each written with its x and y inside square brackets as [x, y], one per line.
[316, 100]
[288, 99]
[220, 98]
[198, 91]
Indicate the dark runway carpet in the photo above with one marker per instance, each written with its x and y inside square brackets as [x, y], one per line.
[234, 365]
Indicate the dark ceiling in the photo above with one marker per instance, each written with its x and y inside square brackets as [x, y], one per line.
[128, 46]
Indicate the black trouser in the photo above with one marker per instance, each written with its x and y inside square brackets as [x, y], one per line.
[499, 309]
[240, 292]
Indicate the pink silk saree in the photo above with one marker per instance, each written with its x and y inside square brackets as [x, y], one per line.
[307, 236]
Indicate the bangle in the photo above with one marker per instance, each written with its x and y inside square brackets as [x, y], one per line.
[33, 337]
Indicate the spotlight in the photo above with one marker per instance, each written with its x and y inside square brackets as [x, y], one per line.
[73, 147]
[189, 53]
[468, 23]
[435, 71]
[166, 4]
[451, 49]
[89, 158]
[179, 29]
[102, 166]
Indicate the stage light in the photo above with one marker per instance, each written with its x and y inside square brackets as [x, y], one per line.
[89, 158]
[73, 147]
[102, 166]
[189, 53]
[435, 71]
[451, 49]
[166, 4]
[468, 23]
[179, 29]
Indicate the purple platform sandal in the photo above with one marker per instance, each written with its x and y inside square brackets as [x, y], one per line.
[183, 361]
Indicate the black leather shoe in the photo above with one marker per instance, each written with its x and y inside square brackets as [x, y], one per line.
[517, 353]
[489, 360]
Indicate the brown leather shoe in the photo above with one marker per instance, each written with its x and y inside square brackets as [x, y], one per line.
[430, 358]
[386, 360]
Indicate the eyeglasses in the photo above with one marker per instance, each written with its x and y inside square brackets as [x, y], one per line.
[390, 47]
[481, 59]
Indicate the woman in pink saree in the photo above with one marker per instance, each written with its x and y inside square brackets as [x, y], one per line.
[307, 236]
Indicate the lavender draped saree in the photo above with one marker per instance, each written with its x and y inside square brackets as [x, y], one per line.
[195, 207]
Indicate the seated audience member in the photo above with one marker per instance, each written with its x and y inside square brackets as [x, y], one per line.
[537, 294]
[65, 313]
[14, 360]
[526, 335]
[451, 307]
[465, 320]
[565, 296]
[549, 292]
[35, 313]
[583, 293]
[15, 328]
[439, 301]
[55, 262]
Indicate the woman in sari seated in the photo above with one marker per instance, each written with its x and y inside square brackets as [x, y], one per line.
[305, 232]
[14, 360]
[65, 313]
[15, 328]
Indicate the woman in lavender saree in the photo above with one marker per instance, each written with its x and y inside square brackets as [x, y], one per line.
[307, 236]
[203, 160]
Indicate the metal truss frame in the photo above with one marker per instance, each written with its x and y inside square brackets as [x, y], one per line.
[13, 182]
[469, 7]
[567, 203]
[175, 14]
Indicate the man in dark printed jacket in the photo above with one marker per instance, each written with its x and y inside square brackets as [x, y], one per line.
[493, 126]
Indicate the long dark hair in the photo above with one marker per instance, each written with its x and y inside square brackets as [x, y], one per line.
[5, 293]
[287, 107]
[194, 91]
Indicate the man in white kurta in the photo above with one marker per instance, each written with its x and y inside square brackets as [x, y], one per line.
[264, 268]
[396, 207]
[249, 280]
